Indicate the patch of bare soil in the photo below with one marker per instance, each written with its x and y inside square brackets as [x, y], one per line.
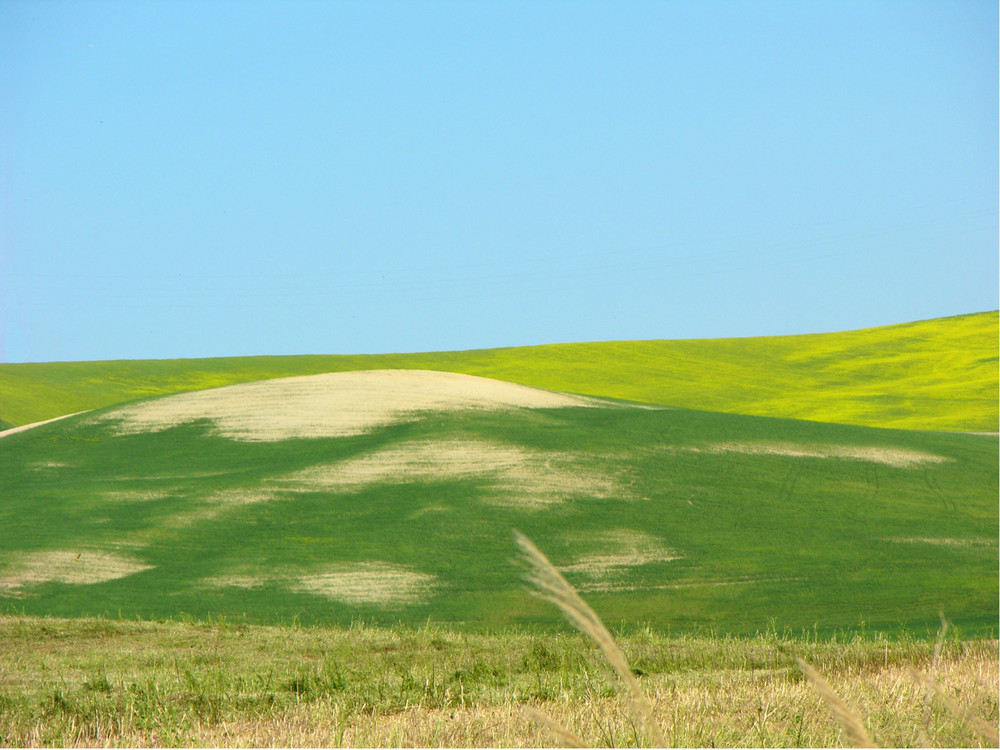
[615, 553]
[136, 496]
[371, 582]
[67, 566]
[332, 404]
[902, 458]
[377, 583]
[605, 586]
[945, 541]
[518, 476]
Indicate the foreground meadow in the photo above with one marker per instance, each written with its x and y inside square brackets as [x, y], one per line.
[96, 682]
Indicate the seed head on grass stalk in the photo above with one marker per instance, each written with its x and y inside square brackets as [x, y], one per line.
[984, 729]
[551, 586]
[562, 735]
[847, 719]
[931, 688]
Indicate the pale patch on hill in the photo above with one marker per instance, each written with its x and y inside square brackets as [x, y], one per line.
[378, 583]
[241, 496]
[373, 582]
[417, 461]
[216, 504]
[132, 496]
[66, 566]
[608, 586]
[547, 480]
[332, 404]
[172, 476]
[517, 476]
[615, 553]
[945, 541]
[902, 458]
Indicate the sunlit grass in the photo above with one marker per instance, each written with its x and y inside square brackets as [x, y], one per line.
[937, 374]
[185, 521]
[551, 585]
[100, 682]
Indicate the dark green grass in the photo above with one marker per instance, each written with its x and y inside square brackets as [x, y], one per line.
[763, 541]
[936, 374]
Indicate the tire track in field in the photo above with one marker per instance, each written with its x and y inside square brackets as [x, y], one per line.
[938, 492]
[871, 479]
[25, 427]
[787, 490]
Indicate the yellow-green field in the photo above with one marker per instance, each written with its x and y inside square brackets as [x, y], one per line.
[937, 374]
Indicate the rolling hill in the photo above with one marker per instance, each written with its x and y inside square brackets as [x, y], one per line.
[939, 374]
[390, 496]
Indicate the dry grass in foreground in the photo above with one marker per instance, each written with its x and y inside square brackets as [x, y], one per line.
[552, 586]
[112, 683]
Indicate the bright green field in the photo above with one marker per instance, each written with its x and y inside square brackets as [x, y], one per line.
[661, 529]
[938, 374]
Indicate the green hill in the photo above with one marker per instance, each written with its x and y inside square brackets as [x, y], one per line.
[392, 498]
[938, 374]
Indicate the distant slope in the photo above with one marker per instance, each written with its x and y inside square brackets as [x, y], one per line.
[936, 374]
[391, 497]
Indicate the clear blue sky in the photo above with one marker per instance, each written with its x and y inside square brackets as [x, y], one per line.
[188, 179]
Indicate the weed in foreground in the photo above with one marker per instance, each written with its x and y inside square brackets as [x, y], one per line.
[113, 683]
[553, 587]
[848, 720]
[556, 589]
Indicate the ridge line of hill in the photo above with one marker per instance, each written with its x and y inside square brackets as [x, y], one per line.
[940, 374]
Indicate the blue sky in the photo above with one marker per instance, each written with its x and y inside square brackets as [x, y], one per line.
[189, 179]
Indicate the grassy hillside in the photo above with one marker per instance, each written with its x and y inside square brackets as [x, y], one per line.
[938, 374]
[677, 518]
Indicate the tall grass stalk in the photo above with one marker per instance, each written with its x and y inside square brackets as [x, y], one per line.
[552, 586]
[848, 720]
[563, 736]
[964, 714]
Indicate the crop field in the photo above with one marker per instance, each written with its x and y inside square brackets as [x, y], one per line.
[323, 557]
[935, 374]
[326, 499]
